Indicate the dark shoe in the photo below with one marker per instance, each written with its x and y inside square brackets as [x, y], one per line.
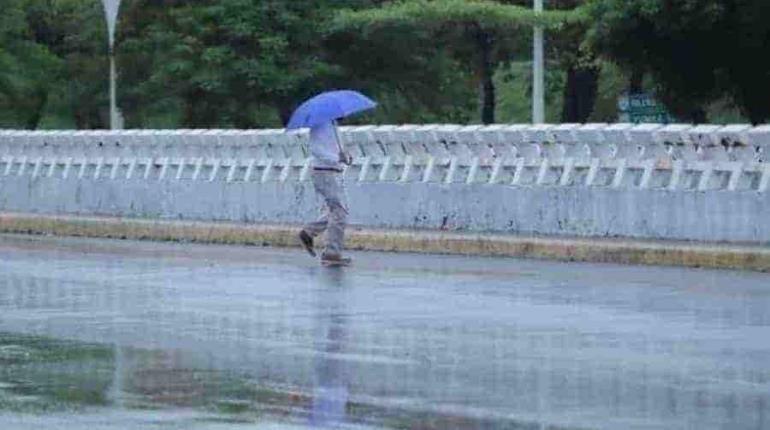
[335, 260]
[307, 242]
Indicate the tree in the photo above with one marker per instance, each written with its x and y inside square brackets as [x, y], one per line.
[581, 66]
[411, 73]
[249, 63]
[51, 51]
[75, 31]
[228, 61]
[696, 51]
[27, 68]
[484, 31]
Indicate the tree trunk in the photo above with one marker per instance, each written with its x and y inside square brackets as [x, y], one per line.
[194, 115]
[243, 118]
[41, 100]
[757, 116]
[284, 112]
[88, 118]
[580, 94]
[487, 69]
[635, 82]
[697, 115]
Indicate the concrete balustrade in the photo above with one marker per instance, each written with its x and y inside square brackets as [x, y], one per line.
[645, 156]
[705, 183]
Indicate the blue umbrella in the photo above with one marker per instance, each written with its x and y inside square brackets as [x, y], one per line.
[329, 106]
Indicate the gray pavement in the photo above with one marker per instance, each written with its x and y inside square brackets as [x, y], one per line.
[191, 336]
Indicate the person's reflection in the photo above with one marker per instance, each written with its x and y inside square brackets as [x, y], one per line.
[331, 392]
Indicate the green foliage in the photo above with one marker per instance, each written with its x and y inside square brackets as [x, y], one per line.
[225, 63]
[482, 33]
[488, 15]
[52, 53]
[248, 63]
[612, 83]
[412, 74]
[697, 51]
[514, 81]
[26, 69]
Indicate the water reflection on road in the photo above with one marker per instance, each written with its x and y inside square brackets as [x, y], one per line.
[180, 336]
[331, 380]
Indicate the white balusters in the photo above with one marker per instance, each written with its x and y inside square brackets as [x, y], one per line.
[646, 156]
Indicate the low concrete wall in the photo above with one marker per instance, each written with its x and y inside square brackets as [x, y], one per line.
[714, 216]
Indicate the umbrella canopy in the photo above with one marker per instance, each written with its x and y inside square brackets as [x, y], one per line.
[329, 106]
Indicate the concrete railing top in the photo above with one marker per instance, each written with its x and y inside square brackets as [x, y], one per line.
[679, 141]
[676, 156]
[678, 134]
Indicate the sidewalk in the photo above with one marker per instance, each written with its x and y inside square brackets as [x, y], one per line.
[605, 250]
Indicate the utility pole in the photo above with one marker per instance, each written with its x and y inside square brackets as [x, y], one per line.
[111, 8]
[538, 73]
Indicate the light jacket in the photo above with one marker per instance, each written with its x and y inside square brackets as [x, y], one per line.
[324, 147]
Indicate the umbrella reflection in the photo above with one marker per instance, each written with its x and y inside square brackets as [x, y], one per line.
[330, 395]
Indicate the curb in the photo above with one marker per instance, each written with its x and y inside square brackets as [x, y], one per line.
[601, 250]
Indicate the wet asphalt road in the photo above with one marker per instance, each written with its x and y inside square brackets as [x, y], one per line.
[229, 337]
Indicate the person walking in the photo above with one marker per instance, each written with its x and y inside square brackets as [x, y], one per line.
[328, 163]
[320, 114]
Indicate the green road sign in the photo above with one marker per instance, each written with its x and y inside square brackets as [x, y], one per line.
[642, 108]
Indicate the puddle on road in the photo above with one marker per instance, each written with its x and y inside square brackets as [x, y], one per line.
[42, 376]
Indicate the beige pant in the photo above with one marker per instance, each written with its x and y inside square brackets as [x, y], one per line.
[334, 212]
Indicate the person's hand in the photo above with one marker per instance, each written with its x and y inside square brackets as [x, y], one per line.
[346, 158]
